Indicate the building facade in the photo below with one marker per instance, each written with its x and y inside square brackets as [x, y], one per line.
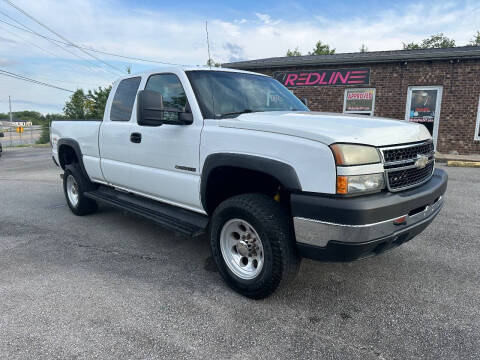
[439, 88]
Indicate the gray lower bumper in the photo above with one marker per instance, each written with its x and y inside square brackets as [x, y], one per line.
[319, 233]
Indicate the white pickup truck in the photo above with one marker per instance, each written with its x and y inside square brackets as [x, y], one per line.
[236, 155]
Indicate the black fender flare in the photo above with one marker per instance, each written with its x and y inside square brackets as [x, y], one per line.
[281, 171]
[78, 152]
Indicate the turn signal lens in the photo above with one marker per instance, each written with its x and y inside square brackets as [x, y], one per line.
[342, 185]
[354, 184]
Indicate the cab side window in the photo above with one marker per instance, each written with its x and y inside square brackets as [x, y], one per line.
[124, 99]
[171, 88]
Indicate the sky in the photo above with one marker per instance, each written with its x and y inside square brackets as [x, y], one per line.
[174, 32]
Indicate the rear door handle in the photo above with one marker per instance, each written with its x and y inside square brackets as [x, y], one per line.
[136, 138]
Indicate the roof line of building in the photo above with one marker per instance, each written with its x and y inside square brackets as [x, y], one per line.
[460, 52]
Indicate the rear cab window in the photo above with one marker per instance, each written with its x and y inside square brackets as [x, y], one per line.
[124, 99]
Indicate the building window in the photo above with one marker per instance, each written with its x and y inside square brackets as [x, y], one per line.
[423, 107]
[359, 101]
[477, 127]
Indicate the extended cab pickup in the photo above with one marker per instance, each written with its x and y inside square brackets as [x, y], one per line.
[236, 155]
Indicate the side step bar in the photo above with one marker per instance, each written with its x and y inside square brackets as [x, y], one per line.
[172, 217]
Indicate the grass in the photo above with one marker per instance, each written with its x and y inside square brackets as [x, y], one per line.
[27, 145]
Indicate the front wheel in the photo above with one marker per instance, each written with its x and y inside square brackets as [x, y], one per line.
[253, 244]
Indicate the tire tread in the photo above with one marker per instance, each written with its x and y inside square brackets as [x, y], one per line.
[85, 205]
[277, 224]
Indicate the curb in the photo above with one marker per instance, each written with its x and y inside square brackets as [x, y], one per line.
[458, 163]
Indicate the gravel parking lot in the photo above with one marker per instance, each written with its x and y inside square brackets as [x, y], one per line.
[112, 285]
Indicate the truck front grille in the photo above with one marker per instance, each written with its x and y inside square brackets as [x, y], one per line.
[408, 165]
[405, 153]
[400, 179]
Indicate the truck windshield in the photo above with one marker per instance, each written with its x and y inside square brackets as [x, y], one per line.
[223, 94]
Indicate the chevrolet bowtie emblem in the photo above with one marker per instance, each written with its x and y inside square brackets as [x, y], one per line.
[421, 162]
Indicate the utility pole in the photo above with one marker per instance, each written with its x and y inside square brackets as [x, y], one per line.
[10, 106]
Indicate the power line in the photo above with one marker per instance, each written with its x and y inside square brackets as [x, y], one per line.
[54, 42]
[30, 43]
[53, 54]
[24, 78]
[128, 57]
[74, 82]
[60, 36]
[91, 49]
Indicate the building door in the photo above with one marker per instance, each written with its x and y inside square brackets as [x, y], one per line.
[423, 107]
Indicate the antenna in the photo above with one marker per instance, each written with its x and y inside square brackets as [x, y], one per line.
[209, 62]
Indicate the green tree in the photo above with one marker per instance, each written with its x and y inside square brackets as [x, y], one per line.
[50, 117]
[35, 117]
[76, 105]
[47, 121]
[44, 135]
[95, 102]
[211, 63]
[364, 48]
[476, 39]
[322, 49]
[411, 46]
[434, 41]
[293, 52]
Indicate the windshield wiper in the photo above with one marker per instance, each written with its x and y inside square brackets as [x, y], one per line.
[244, 111]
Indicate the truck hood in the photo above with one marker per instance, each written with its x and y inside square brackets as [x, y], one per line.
[330, 128]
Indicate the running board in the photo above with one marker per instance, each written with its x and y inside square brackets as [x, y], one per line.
[172, 217]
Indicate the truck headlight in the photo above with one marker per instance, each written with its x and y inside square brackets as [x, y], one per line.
[351, 154]
[354, 184]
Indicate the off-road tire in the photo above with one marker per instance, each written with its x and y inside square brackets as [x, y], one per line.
[275, 229]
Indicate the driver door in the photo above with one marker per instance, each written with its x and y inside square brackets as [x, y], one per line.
[165, 158]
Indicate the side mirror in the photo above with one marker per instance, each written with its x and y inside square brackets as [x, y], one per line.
[151, 112]
[2, 134]
[304, 101]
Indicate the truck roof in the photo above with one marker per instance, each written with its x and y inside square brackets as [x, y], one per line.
[175, 69]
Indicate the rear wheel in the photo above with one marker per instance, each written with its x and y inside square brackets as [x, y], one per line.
[253, 244]
[74, 186]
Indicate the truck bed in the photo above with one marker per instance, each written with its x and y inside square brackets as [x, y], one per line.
[84, 132]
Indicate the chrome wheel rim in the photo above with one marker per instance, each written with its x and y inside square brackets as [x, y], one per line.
[72, 190]
[242, 249]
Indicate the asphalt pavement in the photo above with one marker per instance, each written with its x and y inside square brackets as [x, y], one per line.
[112, 285]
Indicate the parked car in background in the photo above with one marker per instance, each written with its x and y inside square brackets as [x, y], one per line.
[237, 155]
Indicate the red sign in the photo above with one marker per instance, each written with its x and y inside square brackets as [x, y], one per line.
[324, 77]
[365, 95]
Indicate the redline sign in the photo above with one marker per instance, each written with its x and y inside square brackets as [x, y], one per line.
[324, 77]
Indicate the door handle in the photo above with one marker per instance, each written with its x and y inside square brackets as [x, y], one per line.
[136, 138]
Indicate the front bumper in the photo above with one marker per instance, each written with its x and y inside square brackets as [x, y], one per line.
[346, 229]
